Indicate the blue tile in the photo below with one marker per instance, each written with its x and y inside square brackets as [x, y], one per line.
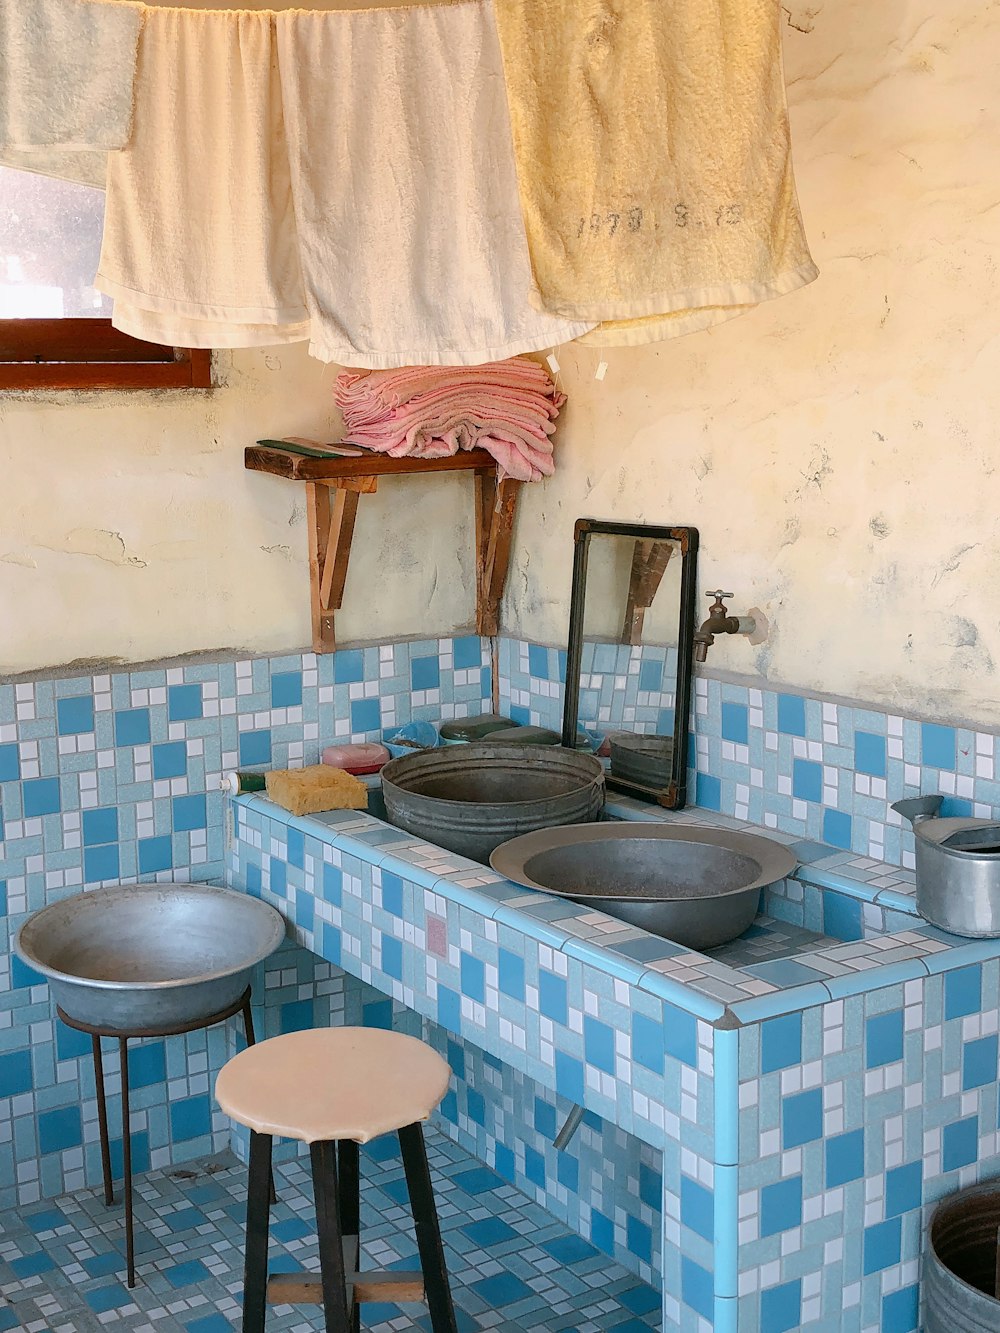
[186, 1274]
[938, 746]
[296, 841]
[680, 1034]
[963, 989]
[599, 1044]
[366, 715]
[184, 703]
[377, 1014]
[882, 1246]
[845, 1158]
[781, 1307]
[960, 1143]
[147, 1064]
[107, 1298]
[190, 812]
[71, 1044]
[538, 662]
[837, 829]
[10, 764]
[602, 1231]
[708, 792]
[467, 652]
[697, 1208]
[900, 1310]
[425, 673]
[842, 916]
[33, 1265]
[292, 1228]
[286, 689]
[791, 715]
[869, 754]
[650, 1186]
[883, 1039]
[534, 1167]
[780, 1043]
[21, 975]
[449, 1008]
[505, 1162]
[639, 1238]
[210, 1323]
[648, 1043]
[392, 893]
[781, 1206]
[155, 854]
[333, 885]
[100, 825]
[477, 1180]
[568, 1172]
[545, 1118]
[348, 666]
[979, 1063]
[75, 715]
[392, 957]
[255, 748]
[697, 1288]
[568, 1250]
[569, 1077]
[132, 726]
[169, 760]
[552, 1001]
[473, 977]
[801, 1118]
[807, 780]
[650, 677]
[60, 1129]
[101, 864]
[735, 723]
[41, 797]
[904, 1188]
[103, 1265]
[501, 1289]
[475, 1106]
[640, 1299]
[492, 1231]
[299, 1016]
[184, 1219]
[191, 1117]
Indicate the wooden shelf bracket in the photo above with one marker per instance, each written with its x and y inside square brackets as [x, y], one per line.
[334, 486]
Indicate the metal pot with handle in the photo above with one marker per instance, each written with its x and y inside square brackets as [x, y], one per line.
[958, 868]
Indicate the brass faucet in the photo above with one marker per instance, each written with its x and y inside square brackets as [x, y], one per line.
[719, 622]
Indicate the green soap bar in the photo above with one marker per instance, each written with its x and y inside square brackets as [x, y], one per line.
[473, 728]
[525, 736]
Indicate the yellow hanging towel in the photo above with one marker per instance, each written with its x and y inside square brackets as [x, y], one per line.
[654, 164]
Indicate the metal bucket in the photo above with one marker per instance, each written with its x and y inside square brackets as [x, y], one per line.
[643, 759]
[471, 798]
[960, 1266]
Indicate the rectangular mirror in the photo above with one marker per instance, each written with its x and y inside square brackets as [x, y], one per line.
[629, 657]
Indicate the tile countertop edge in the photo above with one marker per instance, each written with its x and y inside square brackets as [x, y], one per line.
[341, 829]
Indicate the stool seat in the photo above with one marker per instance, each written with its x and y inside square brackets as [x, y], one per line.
[331, 1084]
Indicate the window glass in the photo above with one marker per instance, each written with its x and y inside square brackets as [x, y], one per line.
[50, 243]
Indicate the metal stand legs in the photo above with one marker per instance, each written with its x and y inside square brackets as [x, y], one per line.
[425, 1219]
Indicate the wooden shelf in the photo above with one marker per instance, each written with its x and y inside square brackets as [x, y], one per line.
[333, 489]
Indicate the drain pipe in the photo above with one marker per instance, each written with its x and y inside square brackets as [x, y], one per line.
[562, 1139]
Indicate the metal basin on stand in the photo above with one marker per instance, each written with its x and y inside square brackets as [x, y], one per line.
[470, 798]
[149, 956]
[699, 887]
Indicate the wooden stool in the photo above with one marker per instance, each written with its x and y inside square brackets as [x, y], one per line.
[334, 1088]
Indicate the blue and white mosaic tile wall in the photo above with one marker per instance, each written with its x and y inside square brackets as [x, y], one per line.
[815, 769]
[115, 777]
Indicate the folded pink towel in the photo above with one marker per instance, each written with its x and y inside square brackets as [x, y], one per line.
[508, 408]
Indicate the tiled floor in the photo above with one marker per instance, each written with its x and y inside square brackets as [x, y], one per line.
[514, 1269]
[769, 939]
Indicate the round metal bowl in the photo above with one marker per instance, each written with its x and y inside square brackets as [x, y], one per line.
[470, 798]
[699, 887]
[143, 956]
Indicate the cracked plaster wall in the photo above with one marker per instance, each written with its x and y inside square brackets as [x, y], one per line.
[837, 448]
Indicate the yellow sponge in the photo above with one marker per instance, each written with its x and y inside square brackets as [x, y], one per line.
[307, 791]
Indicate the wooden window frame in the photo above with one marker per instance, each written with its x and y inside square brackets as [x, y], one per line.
[92, 354]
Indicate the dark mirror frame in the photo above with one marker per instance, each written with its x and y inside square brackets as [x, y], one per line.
[674, 795]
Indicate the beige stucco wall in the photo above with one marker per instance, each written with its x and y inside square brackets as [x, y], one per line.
[836, 448]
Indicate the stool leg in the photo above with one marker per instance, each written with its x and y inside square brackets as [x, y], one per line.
[349, 1191]
[252, 1041]
[102, 1121]
[331, 1243]
[127, 1162]
[425, 1219]
[258, 1217]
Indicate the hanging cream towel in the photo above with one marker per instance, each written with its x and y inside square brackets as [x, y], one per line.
[652, 147]
[200, 246]
[413, 247]
[66, 72]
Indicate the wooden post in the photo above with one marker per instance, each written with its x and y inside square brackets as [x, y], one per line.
[495, 507]
[649, 562]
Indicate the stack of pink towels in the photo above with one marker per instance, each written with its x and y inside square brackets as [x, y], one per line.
[508, 407]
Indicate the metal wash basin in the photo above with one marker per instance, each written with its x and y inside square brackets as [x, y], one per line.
[149, 956]
[699, 887]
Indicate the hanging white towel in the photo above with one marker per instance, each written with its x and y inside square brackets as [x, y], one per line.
[66, 73]
[412, 243]
[200, 246]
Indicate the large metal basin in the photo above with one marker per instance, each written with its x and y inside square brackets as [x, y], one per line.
[699, 887]
[471, 798]
[146, 956]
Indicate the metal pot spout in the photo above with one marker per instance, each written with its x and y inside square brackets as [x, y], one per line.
[918, 808]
